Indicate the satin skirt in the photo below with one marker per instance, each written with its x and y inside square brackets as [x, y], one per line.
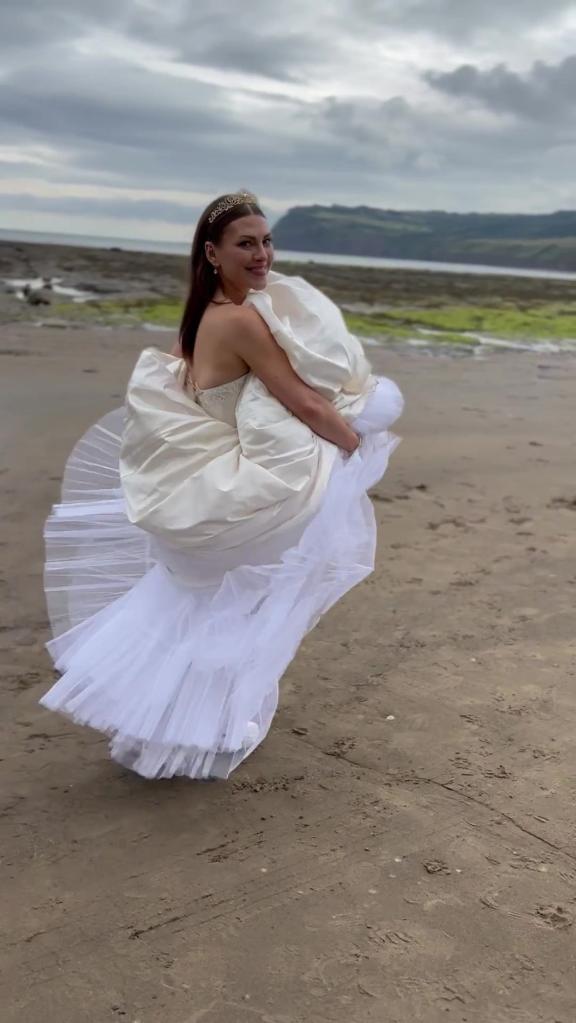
[177, 656]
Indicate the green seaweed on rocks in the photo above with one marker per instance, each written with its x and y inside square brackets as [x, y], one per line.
[371, 327]
[543, 322]
[447, 324]
[164, 312]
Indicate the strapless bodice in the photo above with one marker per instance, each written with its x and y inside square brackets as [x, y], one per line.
[220, 401]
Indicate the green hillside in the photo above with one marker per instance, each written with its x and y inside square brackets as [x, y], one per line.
[538, 241]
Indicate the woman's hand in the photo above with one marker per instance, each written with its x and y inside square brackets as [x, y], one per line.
[356, 445]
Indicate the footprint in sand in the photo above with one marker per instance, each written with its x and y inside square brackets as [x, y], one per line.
[557, 917]
[563, 502]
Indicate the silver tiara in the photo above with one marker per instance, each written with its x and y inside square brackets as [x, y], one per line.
[228, 203]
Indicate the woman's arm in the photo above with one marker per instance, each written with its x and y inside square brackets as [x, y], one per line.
[255, 344]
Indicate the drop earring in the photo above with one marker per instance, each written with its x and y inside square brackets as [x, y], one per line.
[215, 269]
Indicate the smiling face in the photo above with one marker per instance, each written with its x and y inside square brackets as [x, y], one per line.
[243, 254]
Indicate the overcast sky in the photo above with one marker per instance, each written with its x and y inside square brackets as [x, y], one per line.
[125, 117]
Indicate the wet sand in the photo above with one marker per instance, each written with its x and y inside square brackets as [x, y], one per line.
[402, 846]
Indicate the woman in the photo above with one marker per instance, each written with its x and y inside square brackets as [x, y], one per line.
[205, 529]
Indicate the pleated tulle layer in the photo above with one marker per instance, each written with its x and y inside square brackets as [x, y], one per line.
[184, 678]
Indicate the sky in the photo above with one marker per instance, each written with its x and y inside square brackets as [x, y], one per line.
[124, 118]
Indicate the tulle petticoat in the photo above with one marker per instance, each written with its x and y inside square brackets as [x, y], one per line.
[180, 669]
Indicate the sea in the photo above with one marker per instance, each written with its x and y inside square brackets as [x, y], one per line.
[182, 248]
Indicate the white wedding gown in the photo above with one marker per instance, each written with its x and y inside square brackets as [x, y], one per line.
[200, 536]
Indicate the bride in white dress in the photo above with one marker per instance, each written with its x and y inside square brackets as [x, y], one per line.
[205, 527]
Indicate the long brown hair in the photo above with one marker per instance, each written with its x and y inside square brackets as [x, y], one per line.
[203, 280]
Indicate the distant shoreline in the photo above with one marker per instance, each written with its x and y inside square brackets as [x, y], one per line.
[535, 241]
[147, 246]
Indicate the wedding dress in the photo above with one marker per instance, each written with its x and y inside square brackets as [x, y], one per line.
[201, 534]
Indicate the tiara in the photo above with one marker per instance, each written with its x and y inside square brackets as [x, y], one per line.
[228, 203]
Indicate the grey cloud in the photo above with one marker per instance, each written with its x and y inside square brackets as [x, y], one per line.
[259, 41]
[24, 25]
[107, 102]
[546, 91]
[280, 43]
[282, 57]
[129, 209]
[124, 126]
[457, 19]
[121, 125]
[367, 122]
[426, 149]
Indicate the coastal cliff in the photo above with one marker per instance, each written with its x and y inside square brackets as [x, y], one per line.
[538, 241]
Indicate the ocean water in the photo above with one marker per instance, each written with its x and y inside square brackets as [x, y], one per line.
[182, 248]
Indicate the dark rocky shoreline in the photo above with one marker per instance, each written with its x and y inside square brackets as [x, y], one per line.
[116, 273]
[75, 286]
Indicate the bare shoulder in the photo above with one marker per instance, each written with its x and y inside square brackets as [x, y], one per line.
[225, 316]
[237, 330]
[249, 324]
[244, 316]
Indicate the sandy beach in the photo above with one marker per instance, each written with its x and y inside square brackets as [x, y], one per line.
[402, 847]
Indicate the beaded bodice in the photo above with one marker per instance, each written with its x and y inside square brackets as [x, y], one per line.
[219, 402]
